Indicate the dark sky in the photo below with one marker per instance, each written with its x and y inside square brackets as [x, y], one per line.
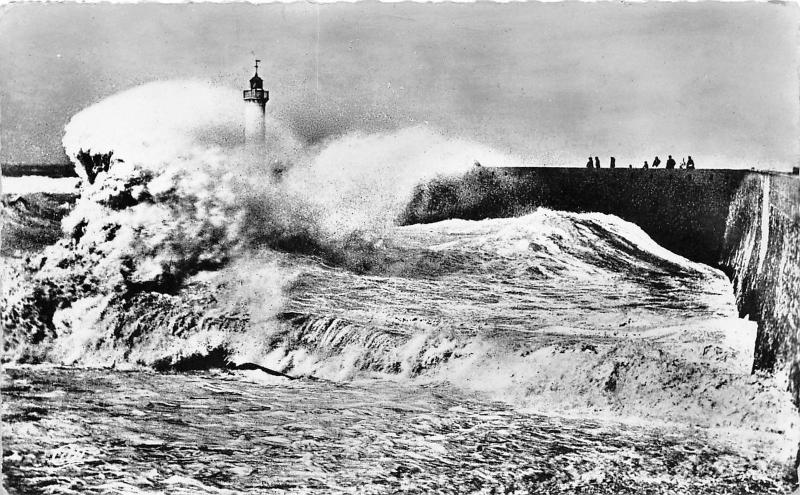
[552, 82]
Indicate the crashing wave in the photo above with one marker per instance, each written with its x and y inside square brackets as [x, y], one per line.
[185, 252]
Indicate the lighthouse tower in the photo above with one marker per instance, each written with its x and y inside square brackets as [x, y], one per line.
[255, 99]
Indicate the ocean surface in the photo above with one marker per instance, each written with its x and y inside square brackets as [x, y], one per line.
[553, 352]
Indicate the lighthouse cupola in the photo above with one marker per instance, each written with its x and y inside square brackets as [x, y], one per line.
[255, 99]
[256, 92]
[256, 82]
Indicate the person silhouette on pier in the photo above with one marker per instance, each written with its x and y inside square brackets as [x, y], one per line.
[670, 162]
[656, 162]
[646, 165]
[589, 163]
[596, 162]
[613, 163]
[690, 163]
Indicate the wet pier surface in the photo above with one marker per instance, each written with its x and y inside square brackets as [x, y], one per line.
[68, 430]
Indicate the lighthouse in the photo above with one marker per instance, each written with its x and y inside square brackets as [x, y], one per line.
[255, 99]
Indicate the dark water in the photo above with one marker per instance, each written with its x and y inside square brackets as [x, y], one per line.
[84, 431]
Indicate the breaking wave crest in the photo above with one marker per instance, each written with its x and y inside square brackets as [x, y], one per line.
[170, 186]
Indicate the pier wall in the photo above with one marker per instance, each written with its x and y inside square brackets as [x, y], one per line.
[761, 252]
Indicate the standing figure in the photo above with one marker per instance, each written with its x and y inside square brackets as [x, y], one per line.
[613, 163]
[656, 162]
[670, 162]
[589, 163]
[690, 163]
[646, 165]
[596, 162]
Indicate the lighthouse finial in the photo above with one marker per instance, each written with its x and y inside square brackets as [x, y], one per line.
[256, 66]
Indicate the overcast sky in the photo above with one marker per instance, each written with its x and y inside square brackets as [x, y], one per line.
[552, 82]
